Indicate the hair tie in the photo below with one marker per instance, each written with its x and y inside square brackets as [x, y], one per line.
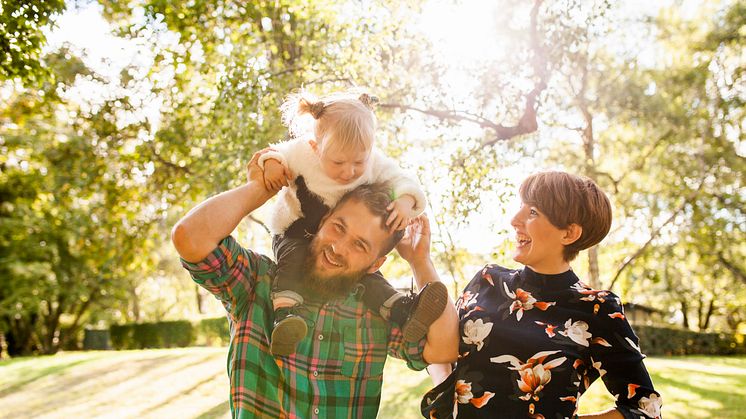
[316, 109]
[368, 100]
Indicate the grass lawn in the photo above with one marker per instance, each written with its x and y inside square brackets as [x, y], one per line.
[191, 382]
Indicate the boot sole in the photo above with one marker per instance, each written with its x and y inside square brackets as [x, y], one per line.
[430, 305]
[286, 335]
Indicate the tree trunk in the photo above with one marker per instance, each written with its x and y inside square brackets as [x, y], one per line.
[685, 313]
[200, 300]
[593, 274]
[708, 315]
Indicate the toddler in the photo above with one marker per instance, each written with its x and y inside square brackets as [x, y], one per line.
[333, 157]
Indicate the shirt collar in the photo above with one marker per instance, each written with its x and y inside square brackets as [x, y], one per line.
[559, 281]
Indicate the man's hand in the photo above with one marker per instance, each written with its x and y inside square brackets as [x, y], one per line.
[400, 212]
[275, 175]
[254, 173]
[415, 246]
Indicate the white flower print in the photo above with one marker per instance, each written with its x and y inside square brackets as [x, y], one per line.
[467, 299]
[475, 331]
[577, 331]
[523, 300]
[463, 391]
[651, 406]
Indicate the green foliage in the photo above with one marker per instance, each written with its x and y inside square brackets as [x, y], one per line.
[22, 38]
[212, 332]
[167, 334]
[667, 341]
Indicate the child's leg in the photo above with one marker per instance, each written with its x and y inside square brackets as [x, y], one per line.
[290, 256]
[414, 314]
[289, 328]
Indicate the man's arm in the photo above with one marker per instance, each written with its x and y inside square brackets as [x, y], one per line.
[441, 344]
[201, 230]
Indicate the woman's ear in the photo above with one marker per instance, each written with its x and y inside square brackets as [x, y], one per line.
[572, 234]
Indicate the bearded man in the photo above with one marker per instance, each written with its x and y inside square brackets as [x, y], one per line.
[337, 369]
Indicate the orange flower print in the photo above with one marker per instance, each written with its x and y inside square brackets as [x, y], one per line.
[534, 374]
[464, 395]
[487, 277]
[467, 299]
[548, 329]
[617, 315]
[523, 301]
[632, 390]
[601, 341]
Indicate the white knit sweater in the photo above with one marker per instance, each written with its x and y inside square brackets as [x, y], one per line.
[298, 156]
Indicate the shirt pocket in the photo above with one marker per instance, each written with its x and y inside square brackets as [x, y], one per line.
[364, 351]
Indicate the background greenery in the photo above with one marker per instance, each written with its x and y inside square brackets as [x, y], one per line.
[99, 158]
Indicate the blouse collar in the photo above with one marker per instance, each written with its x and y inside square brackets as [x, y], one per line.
[560, 281]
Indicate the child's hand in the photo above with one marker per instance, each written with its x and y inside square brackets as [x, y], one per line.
[275, 175]
[400, 212]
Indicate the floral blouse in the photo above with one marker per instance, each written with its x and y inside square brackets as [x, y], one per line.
[531, 344]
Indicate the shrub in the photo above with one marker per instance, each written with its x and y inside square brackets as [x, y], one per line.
[667, 341]
[169, 334]
[213, 332]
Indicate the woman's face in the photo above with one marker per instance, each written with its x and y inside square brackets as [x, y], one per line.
[539, 243]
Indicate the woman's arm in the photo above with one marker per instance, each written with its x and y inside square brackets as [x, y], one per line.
[441, 344]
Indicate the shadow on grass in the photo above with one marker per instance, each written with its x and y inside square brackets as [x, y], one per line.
[134, 368]
[732, 403]
[219, 411]
[41, 373]
[181, 394]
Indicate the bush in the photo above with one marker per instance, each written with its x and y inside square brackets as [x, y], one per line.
[212, 332]
[170, 334]
[666, 341]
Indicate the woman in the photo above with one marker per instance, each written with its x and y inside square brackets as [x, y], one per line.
[534, 339]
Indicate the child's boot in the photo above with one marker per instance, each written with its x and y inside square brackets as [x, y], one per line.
[289, 329]
[415, 313]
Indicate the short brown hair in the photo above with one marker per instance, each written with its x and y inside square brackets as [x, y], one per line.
[376, 197]
[569, 199]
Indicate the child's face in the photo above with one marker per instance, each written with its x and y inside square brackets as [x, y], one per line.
[343, 165]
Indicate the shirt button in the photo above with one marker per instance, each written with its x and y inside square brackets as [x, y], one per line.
[321, 337]
[315, 373]
[316, 411]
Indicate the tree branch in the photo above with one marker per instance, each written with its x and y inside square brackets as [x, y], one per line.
[628, 260]
[527, 123]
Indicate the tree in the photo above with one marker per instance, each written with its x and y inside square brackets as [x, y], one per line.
[22, 25]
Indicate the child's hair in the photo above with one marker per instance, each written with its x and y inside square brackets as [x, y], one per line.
[343, 119]
[568, 199]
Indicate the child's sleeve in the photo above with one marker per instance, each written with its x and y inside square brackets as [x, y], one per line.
[386, 170]
[281, 152]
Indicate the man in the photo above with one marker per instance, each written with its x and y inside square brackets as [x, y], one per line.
[337, 369]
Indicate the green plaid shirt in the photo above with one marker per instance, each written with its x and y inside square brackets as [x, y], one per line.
[336, 371]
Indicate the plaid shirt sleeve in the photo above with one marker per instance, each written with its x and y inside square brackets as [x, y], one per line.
[410, 352]
[230, 273]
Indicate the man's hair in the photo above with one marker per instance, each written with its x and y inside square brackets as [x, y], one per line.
[569, 199]
[376, 197]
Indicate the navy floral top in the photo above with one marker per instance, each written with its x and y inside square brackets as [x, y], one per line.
[531, 344]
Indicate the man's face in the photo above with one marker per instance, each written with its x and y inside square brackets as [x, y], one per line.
[347, 245]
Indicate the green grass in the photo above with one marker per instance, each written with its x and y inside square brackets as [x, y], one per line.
[192, 383]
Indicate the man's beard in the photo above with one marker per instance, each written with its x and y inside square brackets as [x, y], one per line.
[328, 287]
